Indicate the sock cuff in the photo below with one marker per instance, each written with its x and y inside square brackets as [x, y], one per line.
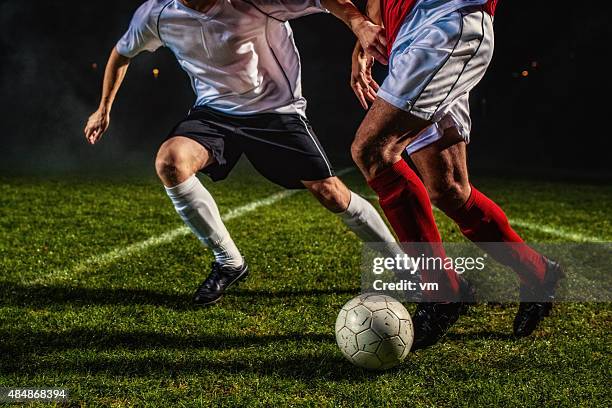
[183, 188]
[467, 206]
[353, 208]
[468, 214]
[474, 196]
[389, 180]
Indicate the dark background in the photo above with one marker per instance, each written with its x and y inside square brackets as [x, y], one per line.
[552, 122]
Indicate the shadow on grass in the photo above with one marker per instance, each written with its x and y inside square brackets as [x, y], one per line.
[294, 355]
[23, 342]
[301, 367]
[45, 296]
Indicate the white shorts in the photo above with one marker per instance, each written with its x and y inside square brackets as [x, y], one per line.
[434, 64]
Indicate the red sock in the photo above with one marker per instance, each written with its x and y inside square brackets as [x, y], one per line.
[482, 221]
[404, 200]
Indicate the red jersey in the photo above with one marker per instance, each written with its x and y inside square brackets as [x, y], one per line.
[395, 11]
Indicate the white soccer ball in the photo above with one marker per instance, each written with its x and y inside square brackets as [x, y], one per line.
[374, 331]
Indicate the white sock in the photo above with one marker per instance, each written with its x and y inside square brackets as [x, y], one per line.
[199, 211]
[363, 219]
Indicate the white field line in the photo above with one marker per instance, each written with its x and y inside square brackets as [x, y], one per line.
[546, 229]
[557, 232]
[124, 252]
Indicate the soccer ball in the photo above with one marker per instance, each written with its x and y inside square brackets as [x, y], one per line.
[374, 331]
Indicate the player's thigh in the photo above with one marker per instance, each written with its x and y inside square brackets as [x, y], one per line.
[386, 130]
[182, 150]
[443, 169]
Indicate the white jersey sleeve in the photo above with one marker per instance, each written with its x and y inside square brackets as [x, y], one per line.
[142, 35]
[288, 9]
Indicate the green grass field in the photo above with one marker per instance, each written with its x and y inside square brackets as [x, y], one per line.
[81, 307]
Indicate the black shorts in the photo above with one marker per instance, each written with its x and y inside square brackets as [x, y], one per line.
[282, 147]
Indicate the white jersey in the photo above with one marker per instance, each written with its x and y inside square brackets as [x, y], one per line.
[240, 55]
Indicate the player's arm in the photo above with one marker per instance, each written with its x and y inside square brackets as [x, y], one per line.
[362, 83]
[373, 12]
[142, 35]
[370, 35]
[113, 77]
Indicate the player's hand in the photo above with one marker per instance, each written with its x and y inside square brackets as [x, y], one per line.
[96, 125]
[362, 83]
[373, 41]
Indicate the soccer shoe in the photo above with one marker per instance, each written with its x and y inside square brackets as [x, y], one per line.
[431, 321]
[221, 277]
[530, 314]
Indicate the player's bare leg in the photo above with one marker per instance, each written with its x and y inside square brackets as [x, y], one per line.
[443, 169]
[446, 177]
[356, 212]
[382, 137]
[331, 193]
[177, 162]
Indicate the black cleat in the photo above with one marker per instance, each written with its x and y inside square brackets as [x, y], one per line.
[431, 321]
[531, 313]
[212, 289]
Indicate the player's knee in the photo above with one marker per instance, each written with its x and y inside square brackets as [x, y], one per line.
[172, 166]
[357, 152]
[365, 154]
[371, 157]
[448, 195]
